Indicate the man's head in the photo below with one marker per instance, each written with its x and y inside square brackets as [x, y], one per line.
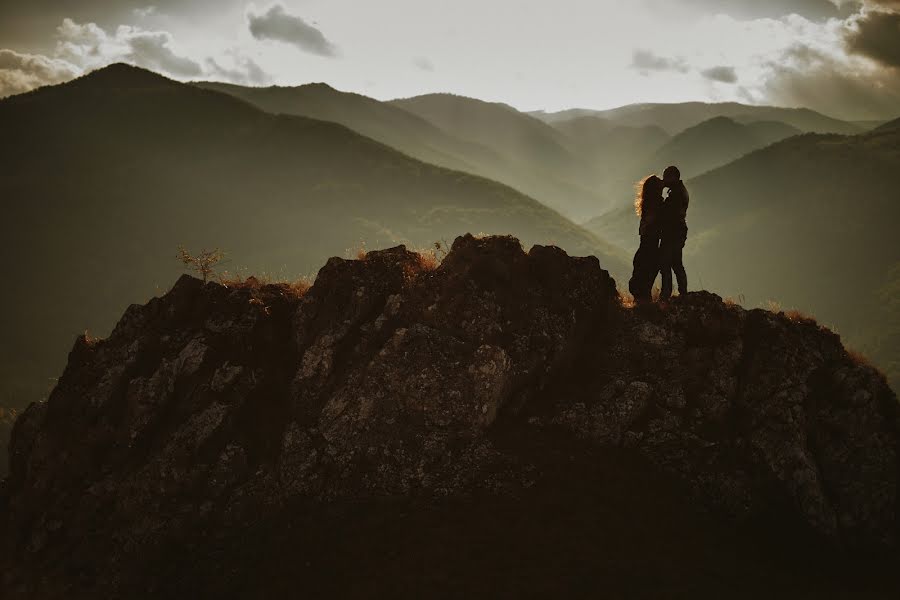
[671, 175]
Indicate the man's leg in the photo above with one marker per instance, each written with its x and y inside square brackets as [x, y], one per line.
[678, 267]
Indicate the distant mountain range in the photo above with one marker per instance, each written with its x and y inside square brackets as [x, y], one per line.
[717, 142]
[675, 118]
[106, 175]
[580, 163]
[490, 140]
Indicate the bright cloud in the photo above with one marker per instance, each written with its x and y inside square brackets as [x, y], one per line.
[23, 72]
[82, 47]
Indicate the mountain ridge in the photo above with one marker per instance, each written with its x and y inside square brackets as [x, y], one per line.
[676, 117]
[224, 423]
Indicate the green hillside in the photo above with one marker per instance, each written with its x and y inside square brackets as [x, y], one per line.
[105, 176]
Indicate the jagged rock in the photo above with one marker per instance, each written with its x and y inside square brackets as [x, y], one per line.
[209, 406]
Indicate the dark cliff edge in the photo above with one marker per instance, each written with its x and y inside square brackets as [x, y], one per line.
[500, 424]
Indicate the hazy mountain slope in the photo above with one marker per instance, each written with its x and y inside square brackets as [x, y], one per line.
[103, 177]
[808, 222]
[600, 140]
[769, 132]
[499, 124]
[869, 125]
[675, 118]
[714, 143]
[625, 155]
[889, 126]
[542, 162]
[617, 154]
[381, 121]
[542, 168]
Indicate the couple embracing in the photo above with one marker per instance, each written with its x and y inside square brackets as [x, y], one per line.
[663, 232]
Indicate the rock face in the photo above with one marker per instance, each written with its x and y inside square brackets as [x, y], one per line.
[210, 406]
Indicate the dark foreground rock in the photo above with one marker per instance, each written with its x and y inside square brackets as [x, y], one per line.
[498, 425]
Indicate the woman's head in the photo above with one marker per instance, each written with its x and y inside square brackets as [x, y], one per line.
[649, 188]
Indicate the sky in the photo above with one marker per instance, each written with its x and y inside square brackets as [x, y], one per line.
[840, 58]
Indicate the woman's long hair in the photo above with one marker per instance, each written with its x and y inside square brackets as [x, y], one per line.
[646, 188]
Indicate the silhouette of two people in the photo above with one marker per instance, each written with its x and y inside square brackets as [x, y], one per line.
[662, 206]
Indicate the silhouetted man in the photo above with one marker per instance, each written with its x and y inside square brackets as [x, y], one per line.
[674, 233]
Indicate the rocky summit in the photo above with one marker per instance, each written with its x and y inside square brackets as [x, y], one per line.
[498, 424]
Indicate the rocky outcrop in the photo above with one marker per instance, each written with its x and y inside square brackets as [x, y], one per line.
[210, 406]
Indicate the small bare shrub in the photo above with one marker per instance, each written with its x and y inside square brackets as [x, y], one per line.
[204, 263]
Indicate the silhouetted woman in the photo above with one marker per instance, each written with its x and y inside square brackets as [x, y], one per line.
[648, 206]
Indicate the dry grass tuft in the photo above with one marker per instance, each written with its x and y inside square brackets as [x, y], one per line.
[358, 253]
[792, 314]
[431, 258]
[626, 300]
[732, 301]
[799, 317]
[772, 306]
[8, 415]
[296, 287]
[859, 359]
[299, 287]
[428, 260]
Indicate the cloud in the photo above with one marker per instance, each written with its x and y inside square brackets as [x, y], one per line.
[22, 72]
[83, 47]
[645, 60]
[876, 34]
[832, 84]
[423, 63]
[144, 12]
[277, 24]
[90, 45]
[721, 74]
[814, 10]
[245, 71]
[154, 50]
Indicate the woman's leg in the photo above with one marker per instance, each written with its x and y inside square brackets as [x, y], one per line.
[666, 258]
[643, 259]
